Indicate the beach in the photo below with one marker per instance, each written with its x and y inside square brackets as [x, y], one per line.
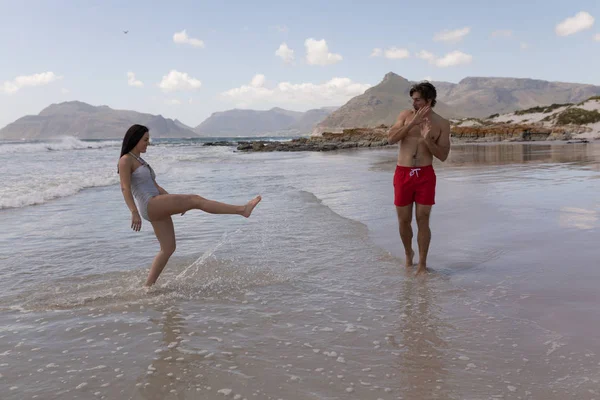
[309, 298]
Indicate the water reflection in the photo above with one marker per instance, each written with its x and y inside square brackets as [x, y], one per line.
[510, 153]
[580, 218]
[422, 349]
[166, 374]
[587, 155]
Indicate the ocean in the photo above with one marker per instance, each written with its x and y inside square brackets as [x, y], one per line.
[308, 298]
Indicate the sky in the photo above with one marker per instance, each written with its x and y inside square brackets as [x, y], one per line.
[188, 59]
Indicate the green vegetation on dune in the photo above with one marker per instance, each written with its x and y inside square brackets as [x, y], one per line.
[593, 98]
[542, 109]
[549, 118]
[476, 120]
[578, 116]
[530, 110]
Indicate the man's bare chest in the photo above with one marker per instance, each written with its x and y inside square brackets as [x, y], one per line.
[420, 131]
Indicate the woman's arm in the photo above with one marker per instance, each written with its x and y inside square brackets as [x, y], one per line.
[125, 164]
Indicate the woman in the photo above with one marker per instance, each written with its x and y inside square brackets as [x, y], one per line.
[155, 204]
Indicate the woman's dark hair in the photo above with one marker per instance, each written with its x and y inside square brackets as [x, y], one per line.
[134, 134]
[426, 90]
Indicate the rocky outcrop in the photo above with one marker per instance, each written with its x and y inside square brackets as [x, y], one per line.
[561, 121]
[516, 132]
[348, 139]
[377, 137]
[500, 132]
[220, 143]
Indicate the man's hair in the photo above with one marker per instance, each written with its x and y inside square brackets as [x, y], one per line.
[426, 90]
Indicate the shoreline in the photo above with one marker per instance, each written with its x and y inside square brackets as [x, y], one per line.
[357, 138]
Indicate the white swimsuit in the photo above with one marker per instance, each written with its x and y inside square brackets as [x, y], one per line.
[143, 187]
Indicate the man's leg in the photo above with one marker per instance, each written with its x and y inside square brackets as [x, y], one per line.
[406, 232]
[423, 235]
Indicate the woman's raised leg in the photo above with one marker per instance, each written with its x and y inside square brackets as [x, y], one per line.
[165, 233]
[165, 205]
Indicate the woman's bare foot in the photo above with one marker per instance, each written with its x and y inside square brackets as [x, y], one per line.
[421, 270]
[250, 206]
[409, 259]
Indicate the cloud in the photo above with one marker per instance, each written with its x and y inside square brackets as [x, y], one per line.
[377, 52]
[172, 102]
[286, 54]
[393, 53]
[502, 33]
[451, 59]
[454, 58]
[178, 81]
[44, 78]
[64, 91]
[428, 78]
[258, 80]
[425, 55]
[524, 46]
[579, 22]
[131, 81]
[597, 37]
[317, 53]
[333, 92]
[183, 38]
[254, 91]
[452, 36]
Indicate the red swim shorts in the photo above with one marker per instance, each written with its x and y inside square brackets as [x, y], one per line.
[414, 184]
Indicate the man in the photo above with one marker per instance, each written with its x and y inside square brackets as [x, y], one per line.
[422, 135]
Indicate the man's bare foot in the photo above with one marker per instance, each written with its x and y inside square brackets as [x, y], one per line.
[409, 259]
[250, 206]
[421, 270]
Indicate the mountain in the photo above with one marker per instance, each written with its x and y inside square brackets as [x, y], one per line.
[310, 118]
[378, 105]
[483, 96]
[182, 125]
[476, 97]
[84, 121]
[275, 121]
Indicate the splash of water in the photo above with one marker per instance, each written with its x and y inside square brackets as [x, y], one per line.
[208, 253]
